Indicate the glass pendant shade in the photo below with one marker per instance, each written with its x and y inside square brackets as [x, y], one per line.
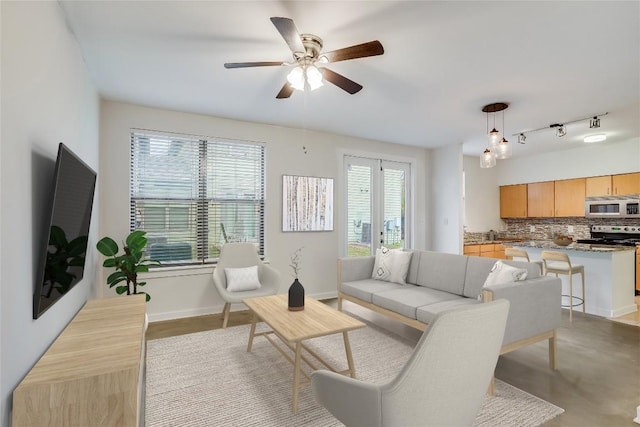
[296, 78]
[487, 159]
[494, 138]
[314, 77]
[503, 150]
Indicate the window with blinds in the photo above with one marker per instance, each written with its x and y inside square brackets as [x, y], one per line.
[191, 195]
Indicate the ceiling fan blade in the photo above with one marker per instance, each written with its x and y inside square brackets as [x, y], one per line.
[252, 64]
[363, 50]
[341, 81]
[285, 92]
[289, 33]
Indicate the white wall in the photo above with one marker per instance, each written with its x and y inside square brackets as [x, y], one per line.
[589, 160]
[446, 199]
[47, 98]
[482, 199]
[186, 292]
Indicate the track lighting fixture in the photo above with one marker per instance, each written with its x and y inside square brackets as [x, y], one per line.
[521, 138]
[561, 128]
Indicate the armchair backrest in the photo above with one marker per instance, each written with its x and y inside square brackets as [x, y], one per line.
[445, 380]
[235, 255]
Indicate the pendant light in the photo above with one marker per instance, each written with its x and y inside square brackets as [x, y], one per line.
[503, 149]
[487, 159]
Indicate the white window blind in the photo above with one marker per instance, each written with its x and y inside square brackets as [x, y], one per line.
[191, 195]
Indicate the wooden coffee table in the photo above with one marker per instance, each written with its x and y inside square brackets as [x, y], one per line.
[293, 327]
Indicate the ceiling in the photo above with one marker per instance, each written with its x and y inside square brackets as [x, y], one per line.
[552, 62]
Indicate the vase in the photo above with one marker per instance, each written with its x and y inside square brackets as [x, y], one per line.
[296, 296]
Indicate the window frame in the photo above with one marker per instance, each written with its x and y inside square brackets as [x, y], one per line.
[203, 200]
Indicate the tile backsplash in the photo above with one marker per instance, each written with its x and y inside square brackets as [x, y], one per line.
[546, 228]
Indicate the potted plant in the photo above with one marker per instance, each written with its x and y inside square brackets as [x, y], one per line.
[127, 265]
[296, 290]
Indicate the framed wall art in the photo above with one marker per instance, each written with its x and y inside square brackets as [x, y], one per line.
[307, 203]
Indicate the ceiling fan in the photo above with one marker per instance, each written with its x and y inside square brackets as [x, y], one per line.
[306, 55]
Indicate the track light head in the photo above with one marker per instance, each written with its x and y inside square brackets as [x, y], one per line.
[561, 131]
[594, 123]
[522, 138]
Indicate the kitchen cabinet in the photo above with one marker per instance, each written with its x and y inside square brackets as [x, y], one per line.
[472, 250]
[513, 201]
[488, 250]
[627, 183]
[540, 199]
[598, 186]
[569, 197]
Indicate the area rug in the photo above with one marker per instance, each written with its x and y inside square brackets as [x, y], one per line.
[209, 379]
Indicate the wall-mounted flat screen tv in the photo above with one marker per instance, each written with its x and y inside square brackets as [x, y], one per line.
[63, 258]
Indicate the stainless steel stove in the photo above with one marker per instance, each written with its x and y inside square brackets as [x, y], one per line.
[625, 235]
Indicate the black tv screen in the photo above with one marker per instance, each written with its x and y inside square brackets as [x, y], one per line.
[63, 258]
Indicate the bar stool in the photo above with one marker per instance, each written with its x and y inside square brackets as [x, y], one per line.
[559, 263]
[518, 254]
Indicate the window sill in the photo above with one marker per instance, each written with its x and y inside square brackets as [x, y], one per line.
[178, 271]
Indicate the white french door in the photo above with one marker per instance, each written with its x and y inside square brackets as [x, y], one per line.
[378, 204]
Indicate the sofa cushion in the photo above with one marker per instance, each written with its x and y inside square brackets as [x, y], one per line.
[412, 274]
[445, 272]
[406, 299]
[364, 289]
[427, 313]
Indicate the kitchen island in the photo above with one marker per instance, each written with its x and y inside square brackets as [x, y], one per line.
[609, 275]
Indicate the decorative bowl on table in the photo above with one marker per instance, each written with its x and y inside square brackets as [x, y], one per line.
[562, 240]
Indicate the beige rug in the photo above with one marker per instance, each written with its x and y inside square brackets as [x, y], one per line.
[209, 379]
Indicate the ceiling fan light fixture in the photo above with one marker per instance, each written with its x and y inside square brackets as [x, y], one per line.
[595, 138]
[296, 78]
[314, 77]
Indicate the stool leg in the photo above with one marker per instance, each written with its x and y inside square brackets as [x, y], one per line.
[570, 297]
[584, 300]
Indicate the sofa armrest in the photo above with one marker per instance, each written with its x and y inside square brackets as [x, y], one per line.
[355, 268]
[535, 306]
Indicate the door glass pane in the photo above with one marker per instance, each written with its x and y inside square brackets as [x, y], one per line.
[393, 227]
[358, 210]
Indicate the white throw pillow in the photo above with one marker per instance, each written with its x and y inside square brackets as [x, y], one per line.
[383, 264]
[242, 279]
[391, 265]
[401, 261]
[503, 273]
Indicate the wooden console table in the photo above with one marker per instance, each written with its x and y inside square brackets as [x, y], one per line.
[93, 373]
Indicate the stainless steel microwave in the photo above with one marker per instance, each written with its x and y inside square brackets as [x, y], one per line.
[609, 207]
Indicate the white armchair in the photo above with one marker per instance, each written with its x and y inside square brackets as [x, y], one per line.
[240, 255]
[443, 383]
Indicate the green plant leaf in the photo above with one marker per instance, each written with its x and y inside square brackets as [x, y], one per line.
[109, 262]
[77, 246]
[115, 282]
[57, 237]
[114, 276]
[142, 283]
[137, 240]
[121, 290]
[142, 268]
[107, 246]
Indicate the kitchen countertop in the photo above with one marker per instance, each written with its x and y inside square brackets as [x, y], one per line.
[491, 242]
[548, 244]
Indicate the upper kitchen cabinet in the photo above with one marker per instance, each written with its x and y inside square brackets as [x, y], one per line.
[628, 183]
[598, 186]
[570, 197]
[513, 201]
[540, 199]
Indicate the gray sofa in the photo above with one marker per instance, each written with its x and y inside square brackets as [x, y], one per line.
[439, 281]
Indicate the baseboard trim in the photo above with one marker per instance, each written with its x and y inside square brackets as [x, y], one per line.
[215, 309]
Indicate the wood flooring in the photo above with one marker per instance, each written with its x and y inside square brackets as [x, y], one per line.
[597, 382]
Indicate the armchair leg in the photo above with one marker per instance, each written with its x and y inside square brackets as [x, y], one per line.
[339, 303]
[225, 314]
[552, 351]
